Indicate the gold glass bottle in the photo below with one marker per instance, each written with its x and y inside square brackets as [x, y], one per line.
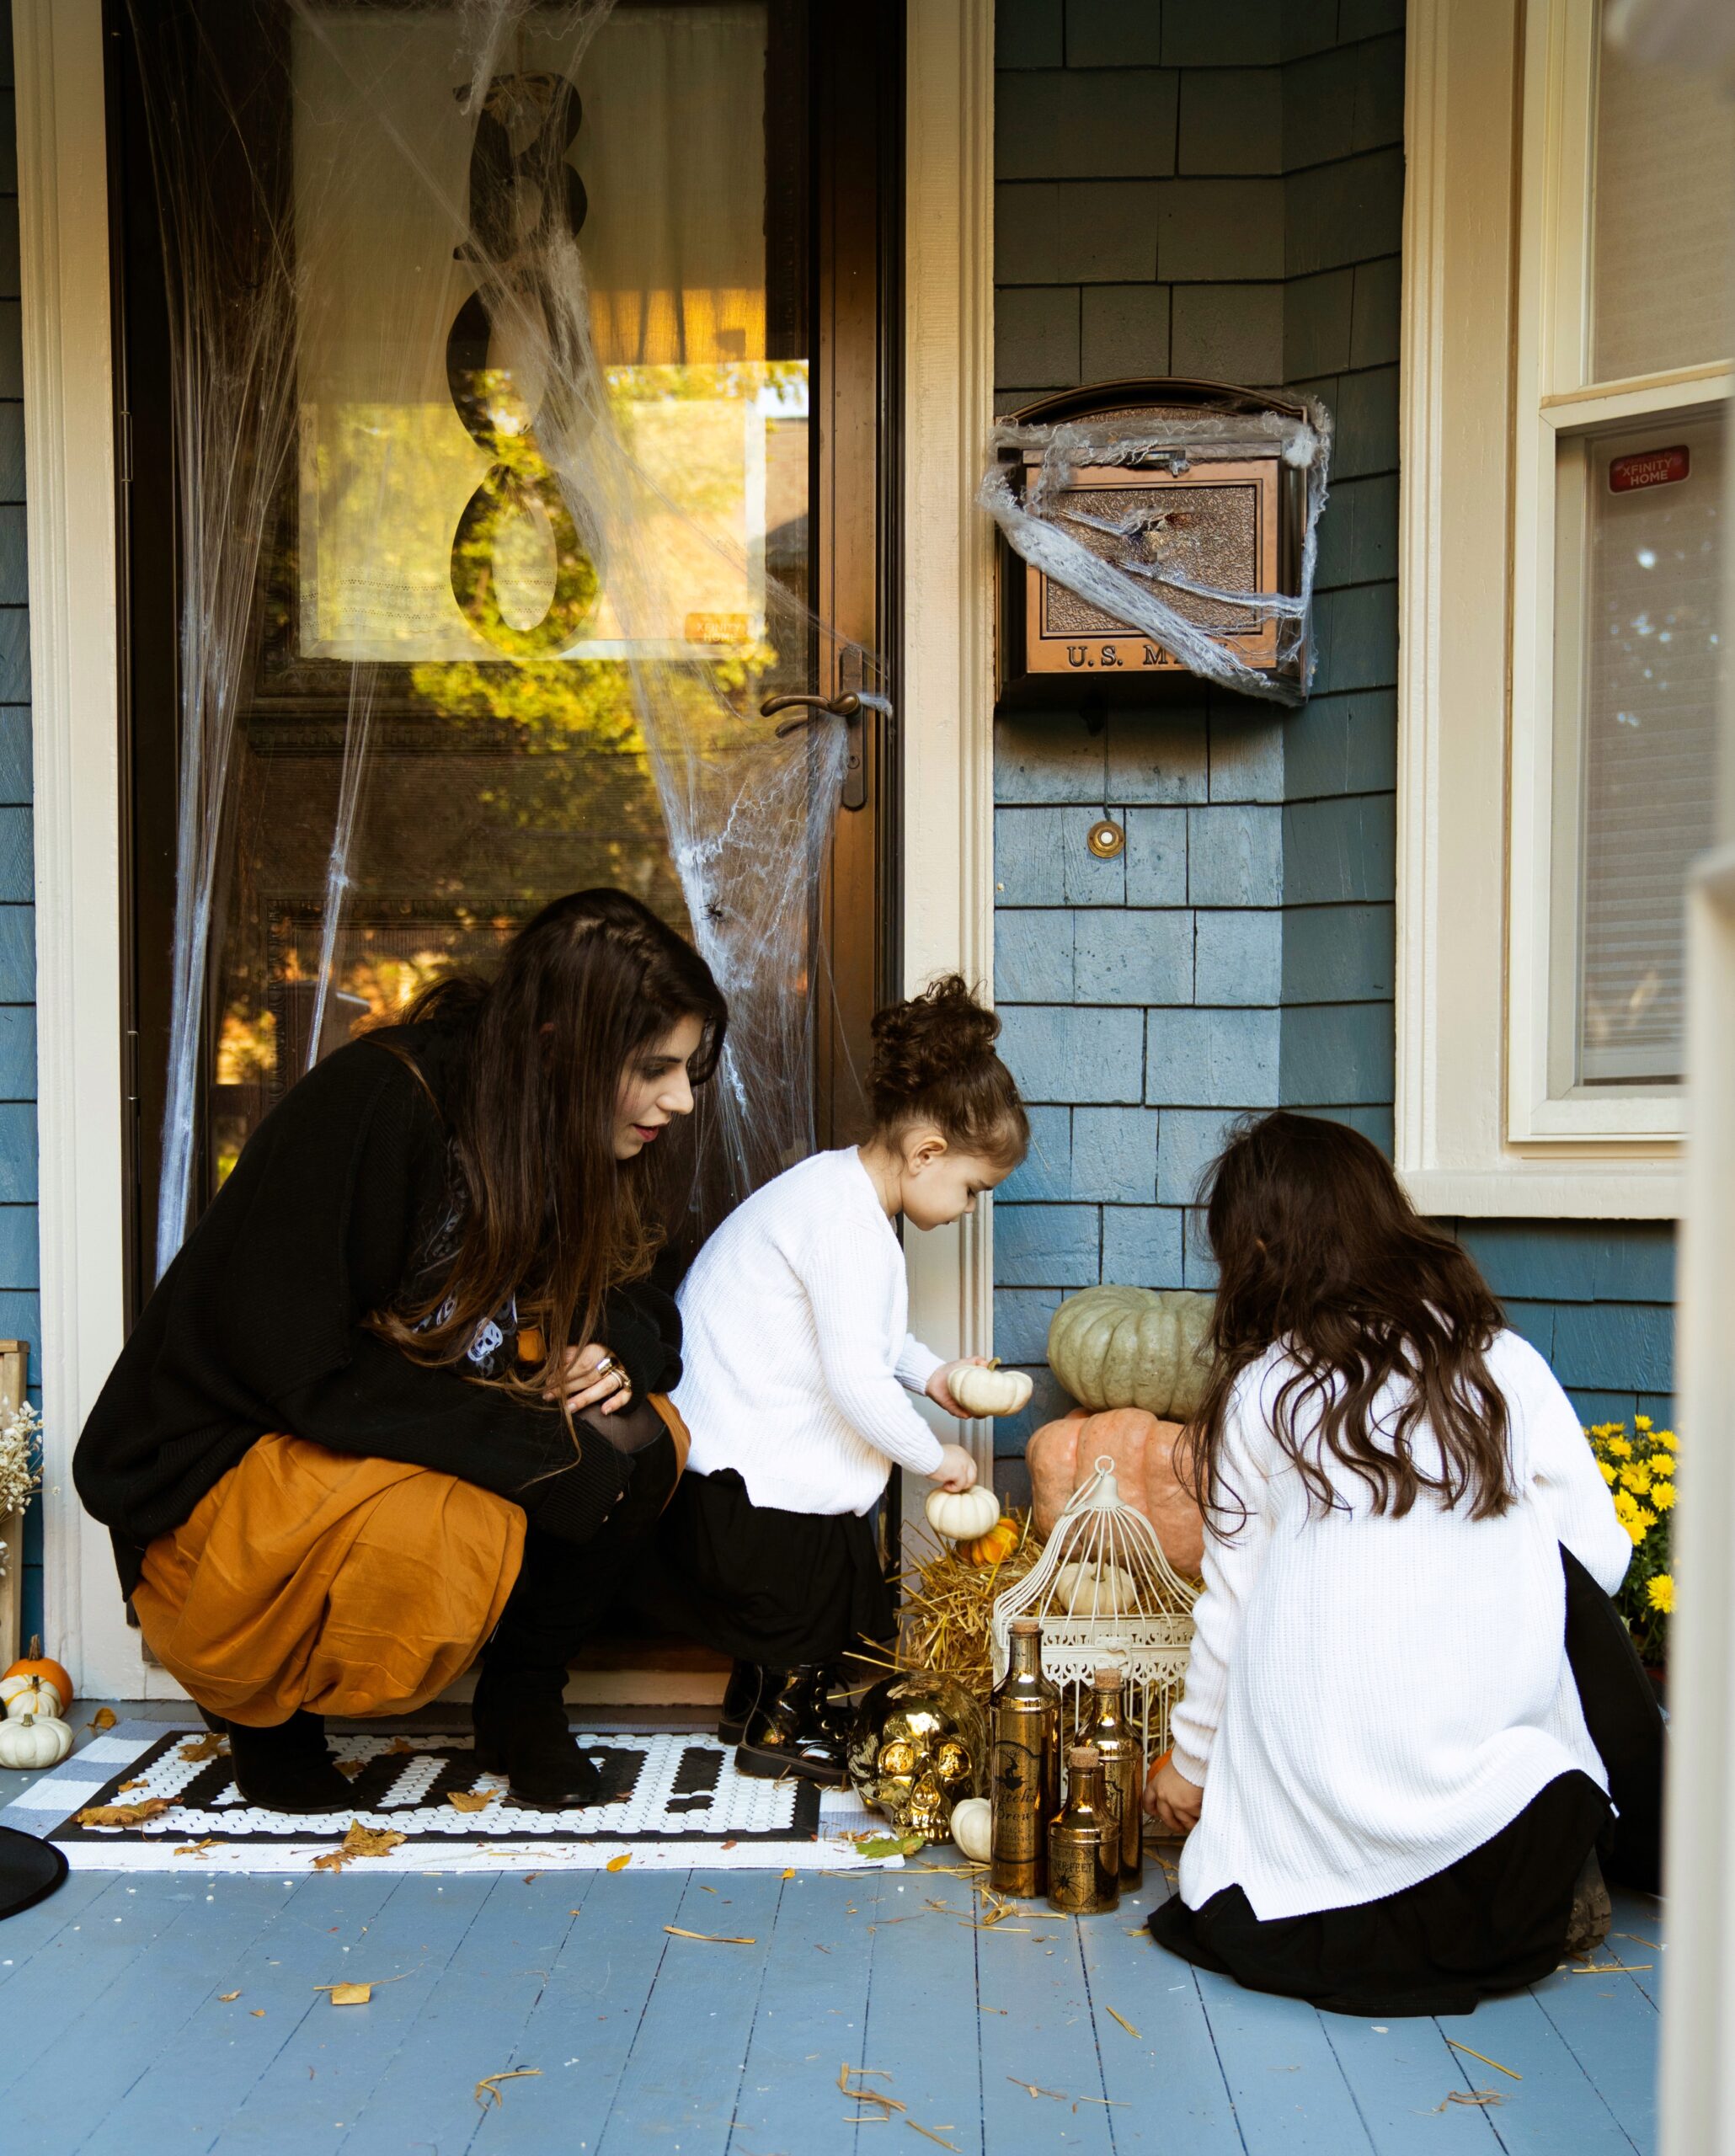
[1084, 1853]
[1024, 1765]
[1123, 1774]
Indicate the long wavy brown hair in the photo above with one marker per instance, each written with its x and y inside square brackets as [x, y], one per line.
[544, 1211]
[1318, 1251]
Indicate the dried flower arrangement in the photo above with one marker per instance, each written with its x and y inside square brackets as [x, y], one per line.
[20, 1466]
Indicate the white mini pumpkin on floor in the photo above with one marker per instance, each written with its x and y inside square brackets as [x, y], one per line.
[973, 1827]
[30, 1741]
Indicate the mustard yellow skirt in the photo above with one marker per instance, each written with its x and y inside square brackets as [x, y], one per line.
[312, 1579]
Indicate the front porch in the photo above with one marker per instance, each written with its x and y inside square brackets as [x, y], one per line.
[162, 2011]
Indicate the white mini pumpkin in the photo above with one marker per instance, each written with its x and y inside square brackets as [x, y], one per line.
[961, 1515]
[1095, 1591]
[973, 1827]
[33, 1741]
[28, 1694]
[988, 1389]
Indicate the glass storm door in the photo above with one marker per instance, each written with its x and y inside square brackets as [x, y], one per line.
[437, 700]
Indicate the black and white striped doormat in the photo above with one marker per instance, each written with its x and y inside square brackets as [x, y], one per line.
[672, 1800]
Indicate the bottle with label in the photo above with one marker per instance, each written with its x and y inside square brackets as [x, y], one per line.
[1084, 1850]
[1024, 1765]
[1123, 1774]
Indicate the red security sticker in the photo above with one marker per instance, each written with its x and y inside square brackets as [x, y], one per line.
[1648, 467]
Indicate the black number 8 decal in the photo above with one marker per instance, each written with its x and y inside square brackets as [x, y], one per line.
[518, 479]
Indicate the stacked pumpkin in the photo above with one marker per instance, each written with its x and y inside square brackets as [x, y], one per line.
[1136, 1360]
[33, 1692]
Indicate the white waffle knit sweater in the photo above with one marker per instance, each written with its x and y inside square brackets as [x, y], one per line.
[796, 1351]
[1369, 1700]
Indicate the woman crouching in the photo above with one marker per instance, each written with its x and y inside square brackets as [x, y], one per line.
[400, 1397]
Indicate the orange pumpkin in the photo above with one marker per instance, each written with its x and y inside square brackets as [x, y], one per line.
[35, 1663]
[994, 1547]
[1062, 1454]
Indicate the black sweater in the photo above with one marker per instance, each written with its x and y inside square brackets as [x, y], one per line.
[257, 1325]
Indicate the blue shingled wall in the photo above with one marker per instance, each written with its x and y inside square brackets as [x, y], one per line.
[18, 1299]
[1217, 190]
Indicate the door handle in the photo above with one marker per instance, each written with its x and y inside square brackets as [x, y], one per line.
[847, 705]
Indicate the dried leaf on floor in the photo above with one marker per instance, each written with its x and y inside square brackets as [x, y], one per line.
[197, 1849]
[124, 1815]
[208, 1746]
[228, 1998]
[882, 1845]
[399, 1746]
[359, 1841]
[471, 1800]
[620, 1863]
[104, 1718]
[789, 1873]
[347, 1995]
[257, 2012]
[137, 1782]
[488, 2090]
[350, 1767]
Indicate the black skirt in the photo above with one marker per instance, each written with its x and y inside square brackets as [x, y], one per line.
[777, 1588]
[1493, 1922]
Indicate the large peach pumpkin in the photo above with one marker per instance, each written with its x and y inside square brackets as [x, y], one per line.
[1064, 1454]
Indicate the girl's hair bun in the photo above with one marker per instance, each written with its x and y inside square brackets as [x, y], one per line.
[934, 1059]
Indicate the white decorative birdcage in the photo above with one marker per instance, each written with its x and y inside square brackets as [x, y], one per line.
[1106, 1596]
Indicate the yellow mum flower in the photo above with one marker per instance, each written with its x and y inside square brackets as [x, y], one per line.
[1626, 1505]
[1637, 1477]
[1639, 1525]
[1607, 1466]
[1621, 1447]
[1641, 1422]
[1667, 1440]
[1662, 1495]
[1661, 1592]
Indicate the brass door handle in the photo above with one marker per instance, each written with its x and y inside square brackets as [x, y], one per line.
[847, 706]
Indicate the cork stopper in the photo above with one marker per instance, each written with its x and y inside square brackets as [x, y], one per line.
[1082, 1758]
[1109, 1680]
[1026, 1627]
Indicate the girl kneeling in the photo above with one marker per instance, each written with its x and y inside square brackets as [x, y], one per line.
[1381, 1754]
[798, 1360]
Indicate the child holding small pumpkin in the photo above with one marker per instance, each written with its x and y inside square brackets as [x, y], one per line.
[797, 1361]
[1383, 1764]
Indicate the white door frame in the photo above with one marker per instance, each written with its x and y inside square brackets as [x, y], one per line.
[946, 708]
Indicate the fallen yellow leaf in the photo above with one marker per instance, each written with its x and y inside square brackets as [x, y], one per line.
[619, 1863]
[123, 1815]
[257, 2012]
[790, 1873]
[350, 1767]
[208, 1746]
[359, 1841]
[197, 1849]
[138, 1781]
[470, 1800]
[228, 1998]
[104, 1718]
[348, 1994]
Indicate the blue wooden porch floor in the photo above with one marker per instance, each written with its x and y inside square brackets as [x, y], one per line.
[1036, 2035]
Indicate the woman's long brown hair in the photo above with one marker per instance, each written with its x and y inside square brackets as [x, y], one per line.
[544, 1211]
[1318, 1251]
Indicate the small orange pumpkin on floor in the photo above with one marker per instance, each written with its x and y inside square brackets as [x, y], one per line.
[35, 1663]
[994, 1547]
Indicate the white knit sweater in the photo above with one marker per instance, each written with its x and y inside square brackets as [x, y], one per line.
[796, 1349]
[1370, 1698]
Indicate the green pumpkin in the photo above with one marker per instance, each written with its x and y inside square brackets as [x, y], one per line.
[1134, 1348]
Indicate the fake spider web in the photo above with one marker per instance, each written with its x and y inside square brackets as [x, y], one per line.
[480, 423]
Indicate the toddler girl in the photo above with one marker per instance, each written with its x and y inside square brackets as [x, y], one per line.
[1393, 1797]
[798, 1360]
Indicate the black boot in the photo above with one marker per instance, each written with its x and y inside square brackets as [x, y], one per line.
[522, 1732]
[287, 1768]
[740, 1696]
[786, 1732]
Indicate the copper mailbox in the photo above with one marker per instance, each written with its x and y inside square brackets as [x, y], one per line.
[1232, 524]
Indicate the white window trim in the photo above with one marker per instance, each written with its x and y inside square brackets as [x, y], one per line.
[1552, 396]
[1466, 763]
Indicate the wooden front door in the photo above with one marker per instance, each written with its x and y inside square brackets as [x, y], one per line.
[737, 165]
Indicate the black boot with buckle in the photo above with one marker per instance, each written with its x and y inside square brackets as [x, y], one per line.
[786, 1732]
[522, 1732]
[740, 1696]
[287, 1768]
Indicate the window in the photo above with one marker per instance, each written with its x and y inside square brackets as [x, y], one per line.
[1622, 383]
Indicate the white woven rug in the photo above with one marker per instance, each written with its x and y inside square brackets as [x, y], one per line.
[674, 1801]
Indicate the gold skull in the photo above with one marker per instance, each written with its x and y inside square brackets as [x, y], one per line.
[919, 1744]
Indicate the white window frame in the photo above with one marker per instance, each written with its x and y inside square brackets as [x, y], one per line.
[1476, 769]
[1555, 397]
